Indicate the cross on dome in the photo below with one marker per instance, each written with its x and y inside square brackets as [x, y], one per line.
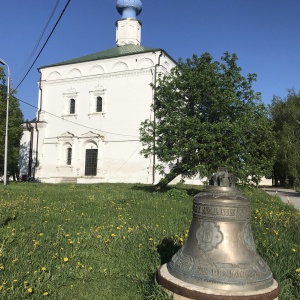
[129, 9]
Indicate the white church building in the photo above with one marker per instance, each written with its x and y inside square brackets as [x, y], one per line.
[90, 110]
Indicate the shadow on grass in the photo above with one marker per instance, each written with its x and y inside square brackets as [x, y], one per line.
[166, 249]
[152, 289]
[150, 188]
[6, 221]
[189, 189]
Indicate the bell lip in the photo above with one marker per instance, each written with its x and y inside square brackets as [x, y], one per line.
[177, 286]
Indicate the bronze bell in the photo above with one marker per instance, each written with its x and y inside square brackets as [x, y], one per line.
[219, 252]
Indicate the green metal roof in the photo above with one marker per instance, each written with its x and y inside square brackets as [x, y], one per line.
[109, 53]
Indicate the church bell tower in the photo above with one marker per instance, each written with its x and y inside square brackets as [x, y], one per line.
[128, 27]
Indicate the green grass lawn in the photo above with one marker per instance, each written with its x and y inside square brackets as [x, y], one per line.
[106, 241]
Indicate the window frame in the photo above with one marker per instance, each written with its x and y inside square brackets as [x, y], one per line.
[94, 95]
[67, 97]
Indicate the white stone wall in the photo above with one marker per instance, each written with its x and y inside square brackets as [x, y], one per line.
[124, 85]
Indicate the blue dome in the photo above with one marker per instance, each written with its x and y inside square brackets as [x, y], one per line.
[129, 8]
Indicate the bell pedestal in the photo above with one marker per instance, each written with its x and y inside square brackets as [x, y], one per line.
[181, 290]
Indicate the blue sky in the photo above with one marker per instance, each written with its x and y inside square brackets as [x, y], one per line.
[265, 35]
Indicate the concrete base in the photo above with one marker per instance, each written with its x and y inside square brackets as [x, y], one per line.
[181, 290]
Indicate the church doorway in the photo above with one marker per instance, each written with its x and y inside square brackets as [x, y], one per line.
[91, 156]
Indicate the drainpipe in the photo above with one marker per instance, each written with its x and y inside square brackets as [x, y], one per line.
[154, 118]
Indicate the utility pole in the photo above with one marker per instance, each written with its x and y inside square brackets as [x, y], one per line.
[6, 128]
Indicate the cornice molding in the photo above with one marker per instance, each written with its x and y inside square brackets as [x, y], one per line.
[128, 73]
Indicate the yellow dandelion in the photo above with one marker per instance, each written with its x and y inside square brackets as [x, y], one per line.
[35, 243]
[294, 250]
[298, 270]
[1, 267]
[44, 269]
[30, 290]
[151, 239]
[45, 294]
[112, 235]
[66, 259]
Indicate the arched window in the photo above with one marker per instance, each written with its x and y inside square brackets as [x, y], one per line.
[69, 156]
[99, 104]
[72, 106]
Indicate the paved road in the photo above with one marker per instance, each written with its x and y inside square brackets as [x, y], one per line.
[288, 196]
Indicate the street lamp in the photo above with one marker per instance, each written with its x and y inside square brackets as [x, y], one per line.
[6, 128]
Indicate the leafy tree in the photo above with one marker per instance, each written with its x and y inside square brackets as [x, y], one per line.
[207, 116]
[286, 116]
[15, 130]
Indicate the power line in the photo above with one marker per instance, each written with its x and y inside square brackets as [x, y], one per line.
[59, 117]
[124, 163]
[38, 42]
[62, 13]
[78, 124]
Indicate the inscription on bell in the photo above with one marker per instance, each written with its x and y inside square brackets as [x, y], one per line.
[185, 264]
[227, 273]
[230, 212]
[208, 236]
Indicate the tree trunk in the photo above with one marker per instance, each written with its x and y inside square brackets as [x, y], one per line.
[168, 178]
